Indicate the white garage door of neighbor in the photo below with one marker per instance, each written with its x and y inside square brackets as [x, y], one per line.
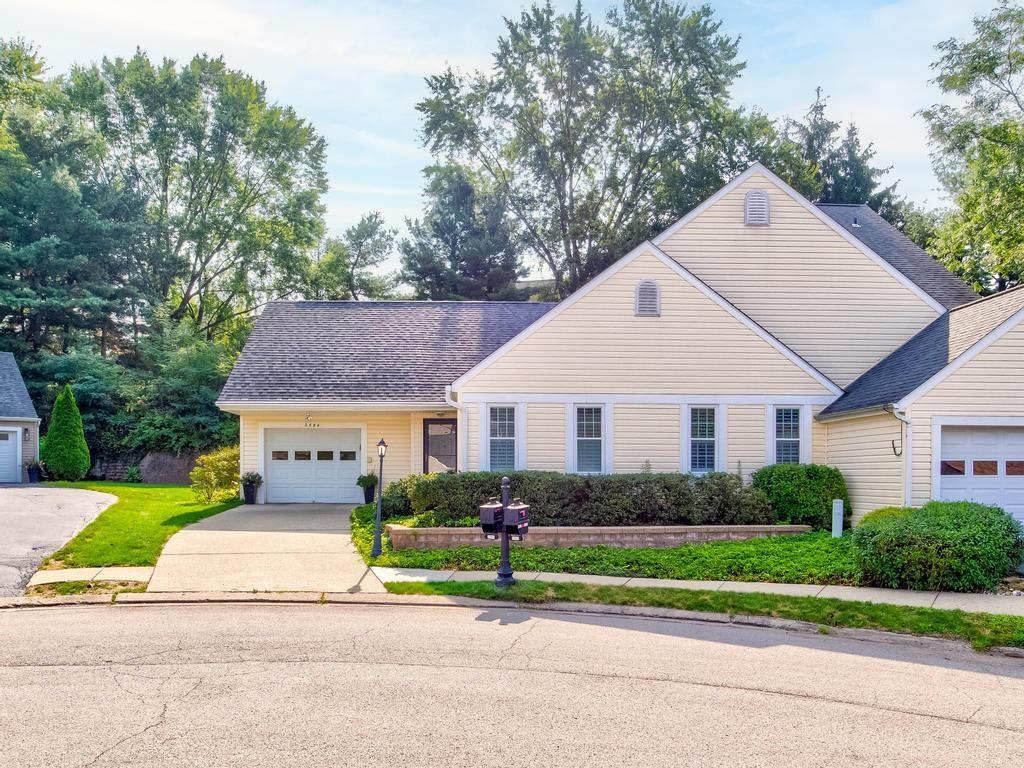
[983, 464]
[10, 472]
[312, 465]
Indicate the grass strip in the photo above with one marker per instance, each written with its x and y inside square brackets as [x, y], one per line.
[981, 630]
[134, 529]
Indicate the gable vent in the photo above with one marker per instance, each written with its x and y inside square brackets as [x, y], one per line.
[648, 299]
[755, 208]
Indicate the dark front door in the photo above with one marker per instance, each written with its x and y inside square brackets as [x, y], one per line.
[440, 445]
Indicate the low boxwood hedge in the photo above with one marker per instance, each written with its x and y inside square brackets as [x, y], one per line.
[559, 499]
[802, 494]
[950, 546]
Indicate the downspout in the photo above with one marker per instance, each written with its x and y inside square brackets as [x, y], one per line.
[906, 451]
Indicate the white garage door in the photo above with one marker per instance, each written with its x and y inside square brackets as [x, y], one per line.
[10, 472]
[984, 464]
[312, 465]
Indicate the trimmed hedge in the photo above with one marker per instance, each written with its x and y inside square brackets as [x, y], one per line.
[558, 499]
[951, 546]
[802, 494]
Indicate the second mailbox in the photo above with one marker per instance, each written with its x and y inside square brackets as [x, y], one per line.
[517, 519]
[491, 518]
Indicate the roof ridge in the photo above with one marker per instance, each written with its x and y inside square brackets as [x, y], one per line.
[982, 299]
[847, 205]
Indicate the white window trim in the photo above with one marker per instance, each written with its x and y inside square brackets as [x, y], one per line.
[685, 441]
[657, 297]
[518, 442]
[805, 431]
[607, 437]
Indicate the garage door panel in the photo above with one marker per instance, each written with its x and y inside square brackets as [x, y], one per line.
[10, 472]
[983, 464]
[312, 465]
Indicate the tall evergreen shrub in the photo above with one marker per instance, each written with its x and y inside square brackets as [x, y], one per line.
[64, 450]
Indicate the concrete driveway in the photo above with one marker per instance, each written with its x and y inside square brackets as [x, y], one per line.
[266, 548]
[36, 521]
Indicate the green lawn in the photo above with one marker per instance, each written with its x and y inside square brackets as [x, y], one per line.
[133, 530]
[981, 630]
[814, 558]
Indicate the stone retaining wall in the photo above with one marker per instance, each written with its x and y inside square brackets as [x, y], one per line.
[656, 536]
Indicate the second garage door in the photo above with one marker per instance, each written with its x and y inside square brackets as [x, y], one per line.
[312, 465]
[984, 464]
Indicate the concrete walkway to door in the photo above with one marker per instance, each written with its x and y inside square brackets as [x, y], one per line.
[266, 548]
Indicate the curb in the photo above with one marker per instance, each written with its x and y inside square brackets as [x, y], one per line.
[454, 601]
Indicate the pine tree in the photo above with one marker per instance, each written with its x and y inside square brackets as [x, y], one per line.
[64, 450]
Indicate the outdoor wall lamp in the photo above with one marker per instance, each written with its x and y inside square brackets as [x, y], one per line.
[382, 448]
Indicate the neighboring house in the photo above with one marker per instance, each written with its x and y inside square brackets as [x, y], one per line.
[760, 328]
[19, 424]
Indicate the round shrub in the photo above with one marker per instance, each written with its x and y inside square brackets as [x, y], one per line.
[215, 477]
[394, 500]
[949, 546]
[64, 450]
[802, 494]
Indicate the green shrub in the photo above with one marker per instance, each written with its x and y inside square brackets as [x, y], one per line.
[215, 477]
[395, 498]
[802, 494]
[951, 546]
[624, 499]
[883, 512]
[133, 475]
[64, 451]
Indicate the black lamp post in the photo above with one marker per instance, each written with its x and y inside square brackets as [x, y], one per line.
[382, 448]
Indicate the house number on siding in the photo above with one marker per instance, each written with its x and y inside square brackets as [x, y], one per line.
[309, 423]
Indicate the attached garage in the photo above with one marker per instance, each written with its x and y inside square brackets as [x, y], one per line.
[10, 455]
[983, 464]
[307, 465]
[19, 424]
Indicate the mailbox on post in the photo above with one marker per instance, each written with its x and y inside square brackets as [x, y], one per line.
[491, 518]
[505, 520]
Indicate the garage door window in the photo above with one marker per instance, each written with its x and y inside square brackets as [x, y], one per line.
[303, 456]
[279, 455]
[325, 455]
[986, 468]
[5, 436]
[346, 455]
[1015, 468]
[953, 467]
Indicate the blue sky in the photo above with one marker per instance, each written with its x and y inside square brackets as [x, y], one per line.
[356, 69]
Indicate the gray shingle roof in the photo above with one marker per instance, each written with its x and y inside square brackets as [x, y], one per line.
[14, 400]
[893, 246]
[370, 350]
[928, 352]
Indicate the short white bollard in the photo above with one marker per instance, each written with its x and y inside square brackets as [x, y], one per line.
[837, 518]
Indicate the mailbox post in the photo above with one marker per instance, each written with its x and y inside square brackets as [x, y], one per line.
[507, 519]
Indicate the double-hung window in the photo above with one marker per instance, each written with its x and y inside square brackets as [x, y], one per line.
[589, 439]
[787, 435]
[702, 440]
[502, 438]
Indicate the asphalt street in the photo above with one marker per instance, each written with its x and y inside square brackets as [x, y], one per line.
[351, 685]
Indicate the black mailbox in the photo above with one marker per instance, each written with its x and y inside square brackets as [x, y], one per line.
[491, 518]
[517, 520]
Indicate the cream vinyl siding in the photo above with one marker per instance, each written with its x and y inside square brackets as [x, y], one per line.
[745, 447]
[396, 427]
[862, 450]
[817, 293]
[471, 417]
[991, 384]
[545, 436]
[598, 345]
[819, 438]
[646, 432]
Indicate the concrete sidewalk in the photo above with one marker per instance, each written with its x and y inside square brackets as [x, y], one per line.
[265, 548]
[976, 603]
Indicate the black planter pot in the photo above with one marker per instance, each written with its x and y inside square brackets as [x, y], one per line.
[34, 475]
[249, 492]
[368, 493]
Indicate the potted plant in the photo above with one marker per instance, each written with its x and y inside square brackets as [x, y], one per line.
[250, 482]
[34, 468]
[368, 483]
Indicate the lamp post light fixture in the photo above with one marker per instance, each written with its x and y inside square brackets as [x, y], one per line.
[382, 448]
